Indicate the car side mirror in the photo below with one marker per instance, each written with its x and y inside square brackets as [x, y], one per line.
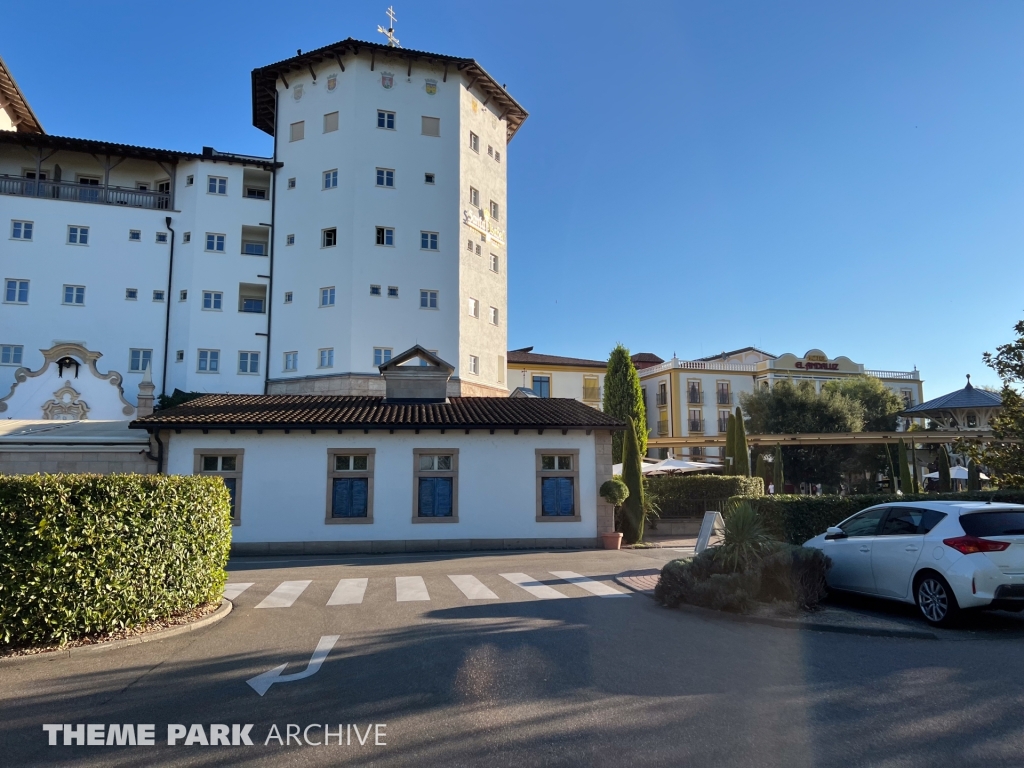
[835, 533]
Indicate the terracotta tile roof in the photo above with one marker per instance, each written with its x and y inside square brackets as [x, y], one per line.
[335, 411]
[526, 357]
[724, 355]
[646, 357]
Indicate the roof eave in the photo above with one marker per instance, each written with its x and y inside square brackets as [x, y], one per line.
[220, 426]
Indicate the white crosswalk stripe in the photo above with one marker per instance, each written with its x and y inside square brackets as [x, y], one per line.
[349, 592]
[286, 593]
[534, 587]
[231, 591]
[410, 588]
[473, 588]
[593, 587]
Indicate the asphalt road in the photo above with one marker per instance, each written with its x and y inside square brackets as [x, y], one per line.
[518, 679]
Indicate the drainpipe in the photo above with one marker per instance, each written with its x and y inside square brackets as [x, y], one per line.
[159, 458]
[167, 315]
[273, 234]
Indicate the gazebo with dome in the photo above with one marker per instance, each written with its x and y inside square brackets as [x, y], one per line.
[969, 408]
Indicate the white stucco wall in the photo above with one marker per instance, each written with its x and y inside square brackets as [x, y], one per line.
[284, 484]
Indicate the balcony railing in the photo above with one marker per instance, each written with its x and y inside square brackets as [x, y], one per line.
[724, 398]
[696, 425]
[694, 396]
[661, 398]
[663, 427]
[83, 193]
[592, 394]
[723, 426]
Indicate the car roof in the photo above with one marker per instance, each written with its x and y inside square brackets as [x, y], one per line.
[960, 507]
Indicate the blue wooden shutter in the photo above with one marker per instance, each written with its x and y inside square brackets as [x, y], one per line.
[349, 498]
[230, 483]
[435, 497]
[557, 497]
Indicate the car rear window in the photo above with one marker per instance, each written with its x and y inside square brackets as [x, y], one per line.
[998, 522]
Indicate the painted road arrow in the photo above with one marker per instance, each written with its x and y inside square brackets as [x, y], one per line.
[261, 683]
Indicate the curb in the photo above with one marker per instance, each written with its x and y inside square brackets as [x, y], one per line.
[149, 637]
[790, 624]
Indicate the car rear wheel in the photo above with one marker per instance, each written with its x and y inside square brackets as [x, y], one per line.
[936, 600]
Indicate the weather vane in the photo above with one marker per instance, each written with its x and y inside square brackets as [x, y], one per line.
[390, 31]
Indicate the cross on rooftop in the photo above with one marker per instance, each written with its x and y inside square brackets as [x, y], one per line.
[390, 31]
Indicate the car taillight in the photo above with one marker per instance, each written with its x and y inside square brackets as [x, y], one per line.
[968, 545]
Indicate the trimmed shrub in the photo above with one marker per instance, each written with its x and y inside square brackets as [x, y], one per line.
[798, 518]
[87, 554]
[614, 491]
[693, 495]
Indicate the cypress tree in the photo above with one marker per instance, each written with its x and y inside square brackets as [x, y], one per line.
[624, 399]
[906, 479]
[730, 446]
[778, 471]
[739, 445]
[973, 477]
[761, 469]
[944, 480]
[633, 507]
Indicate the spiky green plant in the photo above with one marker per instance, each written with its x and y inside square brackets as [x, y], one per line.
[744, 539]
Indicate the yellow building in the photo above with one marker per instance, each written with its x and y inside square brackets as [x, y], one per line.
[554, 376]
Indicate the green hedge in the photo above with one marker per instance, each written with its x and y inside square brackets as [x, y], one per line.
[798, 518]
[85, 554]
[691, 495]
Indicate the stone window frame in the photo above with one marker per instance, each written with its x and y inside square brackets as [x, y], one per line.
[575, 474]
[332, 473]
[239, 454]
[417, 473]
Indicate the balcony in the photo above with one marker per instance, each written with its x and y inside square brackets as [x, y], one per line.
[724, 397]
[591, 394]
[694, 396]
[661, 398]
[695, 425]
[723, 426]
[663, 428]
[83, 193]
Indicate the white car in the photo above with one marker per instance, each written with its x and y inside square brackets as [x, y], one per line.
[945, 556]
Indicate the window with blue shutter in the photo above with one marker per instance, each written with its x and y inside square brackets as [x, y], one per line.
[231, 482]
[349, 497]
[557, 496]
[435, 497]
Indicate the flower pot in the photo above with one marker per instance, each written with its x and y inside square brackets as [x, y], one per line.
[611, 540]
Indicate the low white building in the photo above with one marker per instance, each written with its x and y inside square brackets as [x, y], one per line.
[410, 471]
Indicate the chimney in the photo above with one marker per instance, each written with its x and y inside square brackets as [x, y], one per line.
[146, 389]
[425, 381]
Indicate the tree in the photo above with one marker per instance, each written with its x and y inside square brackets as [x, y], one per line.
[742, 450]
[880, 406]
[1007, 459]
[633, 505]
[944, 479]
[973, 477]
[906, 479]
[794, 408]
[624, 399]
[761, 469]
[778, 471]
[730, 446]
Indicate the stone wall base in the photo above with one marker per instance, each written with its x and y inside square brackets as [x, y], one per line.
[84, 461]
[245, 549]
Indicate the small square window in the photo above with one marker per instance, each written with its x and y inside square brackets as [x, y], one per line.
[11, 354]
[350, 463]
[490, 151]
[74, 295]
[326, 358]
[21, 230]
[428, 241]
[497, 156]
[213, 300]
[428, 178]
[392, 291]
[375, 290]
[249, 362]
[474, 142]
[158, 295]
[291, 361]
[161, 237]
[78, 235]
[494, 211]
[428, 299]
[329, 238]
[385, 120]
[381, 355]
[179, 356]
[474, 197]
[474, 365]
[327, 296]
[430, 126]
[330, 179]
[494, 315]
[183, 295]
[131, 294]
[291, 183]
[469, 246]
[478, 249]
[139, 360]
[208, 361]
[289, 240]
[189, 180]
[135, 235]
[216, 185]
[385, 178]
[287, 297]
[474, 308]
[186, 237]
[214, 242]
[494, 262]
[330, 122]
[16, 291]
[385, 236]
[297, 131]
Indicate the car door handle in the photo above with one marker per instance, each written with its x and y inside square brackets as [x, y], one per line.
[912, 549]
[865, 549]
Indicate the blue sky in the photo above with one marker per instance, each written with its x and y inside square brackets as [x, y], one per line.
[693, 176]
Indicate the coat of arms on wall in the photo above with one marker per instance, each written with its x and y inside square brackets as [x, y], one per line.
[297, 92]
[431, 87]
[387, 80]
[332, 82]
[67, 406]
